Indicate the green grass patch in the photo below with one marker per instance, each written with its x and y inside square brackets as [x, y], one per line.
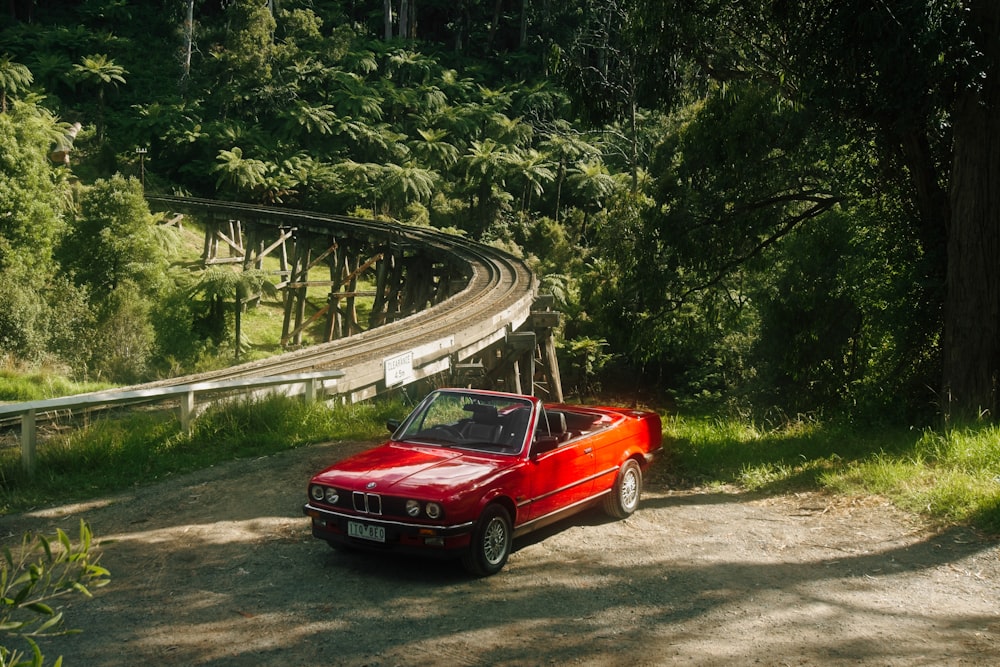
[951, 476]
[114, 454]
[18, 387]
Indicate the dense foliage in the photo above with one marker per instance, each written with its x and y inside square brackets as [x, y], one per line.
[752, 203]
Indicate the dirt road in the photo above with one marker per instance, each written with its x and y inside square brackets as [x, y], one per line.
[219, 568]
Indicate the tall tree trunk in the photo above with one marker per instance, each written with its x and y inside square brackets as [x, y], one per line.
[494, 25]
[971, 364]
[464, 23]
[523, 36]
[404, 19]
[188, 37]
[560, 176]
[387, 9]
[633, 135]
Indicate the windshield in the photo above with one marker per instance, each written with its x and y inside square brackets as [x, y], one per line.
[470, 420]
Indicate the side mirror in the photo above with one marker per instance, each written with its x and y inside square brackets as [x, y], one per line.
[392, 425]
[544, 443]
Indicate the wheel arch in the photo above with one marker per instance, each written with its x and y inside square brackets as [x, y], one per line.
[502, 499]
[635, 453]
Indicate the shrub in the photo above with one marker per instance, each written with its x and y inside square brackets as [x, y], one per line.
[43, 570]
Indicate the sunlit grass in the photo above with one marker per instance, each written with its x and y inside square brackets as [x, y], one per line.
[263, 322]
[16, 386]
[951, 476]
[115, 454]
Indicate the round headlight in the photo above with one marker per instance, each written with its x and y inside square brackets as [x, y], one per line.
[316, 492]
[412, 507]
[332, 496]
[433, 510]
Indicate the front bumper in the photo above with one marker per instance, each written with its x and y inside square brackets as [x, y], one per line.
[332, 526]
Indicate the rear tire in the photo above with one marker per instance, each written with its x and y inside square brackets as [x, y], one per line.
[491, 542]
[624, 496]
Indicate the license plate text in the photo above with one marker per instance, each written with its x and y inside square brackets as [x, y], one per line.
[365, 531]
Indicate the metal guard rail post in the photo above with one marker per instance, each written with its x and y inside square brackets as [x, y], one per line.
[28, 411]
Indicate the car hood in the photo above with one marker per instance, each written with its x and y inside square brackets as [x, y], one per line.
[397, 468]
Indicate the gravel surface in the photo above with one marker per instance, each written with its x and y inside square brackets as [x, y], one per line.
[218, 568]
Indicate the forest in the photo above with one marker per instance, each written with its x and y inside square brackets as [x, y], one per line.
[748, 206]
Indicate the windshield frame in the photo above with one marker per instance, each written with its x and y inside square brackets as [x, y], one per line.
[475, 420]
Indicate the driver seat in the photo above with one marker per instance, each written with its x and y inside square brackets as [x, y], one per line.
[485, 426]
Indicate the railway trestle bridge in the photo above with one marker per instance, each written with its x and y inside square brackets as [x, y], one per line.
[403, 303]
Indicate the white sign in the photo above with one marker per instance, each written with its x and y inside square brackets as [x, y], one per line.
[398, 369]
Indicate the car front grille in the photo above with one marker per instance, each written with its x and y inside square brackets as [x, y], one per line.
[369, 503]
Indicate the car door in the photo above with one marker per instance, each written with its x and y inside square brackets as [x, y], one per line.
[560, 477]
[606, 443]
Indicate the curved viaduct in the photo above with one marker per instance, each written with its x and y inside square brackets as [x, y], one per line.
[441, 306]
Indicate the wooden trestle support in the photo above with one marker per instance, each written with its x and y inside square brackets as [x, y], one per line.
[524, 362]
[402, 279]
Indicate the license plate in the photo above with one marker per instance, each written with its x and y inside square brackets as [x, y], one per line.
[366, 532]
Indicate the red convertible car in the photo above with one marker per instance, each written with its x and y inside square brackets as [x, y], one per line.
[469, 470]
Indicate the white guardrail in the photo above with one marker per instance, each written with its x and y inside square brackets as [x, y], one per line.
[310, 385]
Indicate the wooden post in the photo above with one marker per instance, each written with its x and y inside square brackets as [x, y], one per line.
[395, 285]
[290, 292]
[514, 378]
[377, 316]
[187, 411]
[333, 301]
[206, 251]
[521, 348]
[544, 320]
[551, 365]
[351, 271]
[28, 442]
[302, 292]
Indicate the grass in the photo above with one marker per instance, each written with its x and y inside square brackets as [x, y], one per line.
[948, 476]
[114, 454]
[18, 387]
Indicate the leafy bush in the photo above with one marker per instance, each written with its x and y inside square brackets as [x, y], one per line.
[41, 571]
[126, 334]
[22, 331]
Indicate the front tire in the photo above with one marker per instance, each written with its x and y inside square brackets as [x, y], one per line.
[491, 542]
[624, 496]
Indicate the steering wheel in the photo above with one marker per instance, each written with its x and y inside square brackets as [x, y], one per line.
[452, 432]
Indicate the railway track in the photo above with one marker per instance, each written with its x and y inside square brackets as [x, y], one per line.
[496, 301]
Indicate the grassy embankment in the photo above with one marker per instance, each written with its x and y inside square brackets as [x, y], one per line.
[116, 453]
[949, 476]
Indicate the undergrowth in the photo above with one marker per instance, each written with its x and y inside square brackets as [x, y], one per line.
[115, 453]
[951, 476]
